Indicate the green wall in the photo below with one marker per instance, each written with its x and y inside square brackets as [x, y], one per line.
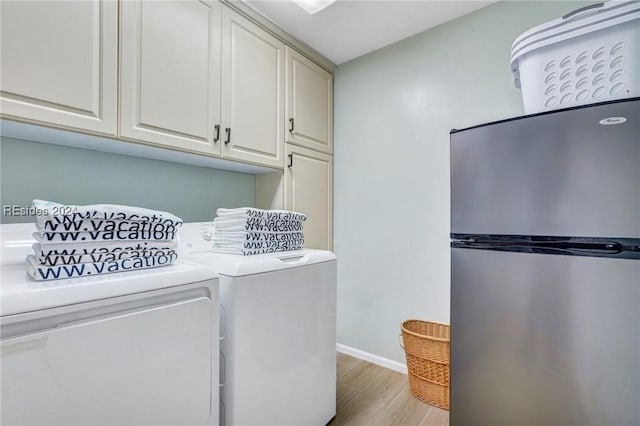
[394, 109]
[78, 176]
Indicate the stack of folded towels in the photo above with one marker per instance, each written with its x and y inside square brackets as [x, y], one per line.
[249, 231]
[76, 241]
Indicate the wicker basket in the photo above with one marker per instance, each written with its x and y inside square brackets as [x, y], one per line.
[432, 371]
[429, 392]
[427, 348]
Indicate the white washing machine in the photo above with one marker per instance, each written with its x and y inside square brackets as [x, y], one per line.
[278, 333]
[133, 348]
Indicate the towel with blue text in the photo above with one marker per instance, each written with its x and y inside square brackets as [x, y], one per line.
[72, 254]
[51, 214]
[248, 231]
[41, 272]
[78, 241]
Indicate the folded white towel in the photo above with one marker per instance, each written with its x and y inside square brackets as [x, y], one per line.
[248, 230]
[256, 236]
[105, 225]
[249, 252]
[259, 245]
[258, 224]
[61, 213]
[237, 230]
[100, 248]
[251, 212]
[43, 273]
[100, 257]
[84, 237]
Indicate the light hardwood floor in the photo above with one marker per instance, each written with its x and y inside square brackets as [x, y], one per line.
[370, 395]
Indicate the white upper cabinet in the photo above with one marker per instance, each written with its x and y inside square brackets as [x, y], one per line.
[308, 182]
[170, 74]
[59, 63]
[189, 75]
[252, 92]
[309, 108]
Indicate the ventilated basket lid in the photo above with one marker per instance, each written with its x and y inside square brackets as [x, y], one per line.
[576, 23]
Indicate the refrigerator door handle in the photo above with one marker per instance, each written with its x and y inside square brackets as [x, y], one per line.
[613, 247]
[602, 247]
[584, 249]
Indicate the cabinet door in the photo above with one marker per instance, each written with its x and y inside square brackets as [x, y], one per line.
[309, 189]
[309, 107]
[170, 74]
[252, 92]
[59, 63]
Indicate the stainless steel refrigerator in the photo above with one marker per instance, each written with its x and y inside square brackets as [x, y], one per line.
[545, 269]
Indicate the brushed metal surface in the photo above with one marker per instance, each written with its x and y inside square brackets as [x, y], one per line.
[554, 174]
[544, 339]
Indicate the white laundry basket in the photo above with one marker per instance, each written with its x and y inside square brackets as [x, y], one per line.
[589, 55]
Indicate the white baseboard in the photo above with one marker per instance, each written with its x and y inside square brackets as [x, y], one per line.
[374, 359]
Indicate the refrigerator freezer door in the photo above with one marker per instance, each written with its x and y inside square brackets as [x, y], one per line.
[544, 339]
[560, 174]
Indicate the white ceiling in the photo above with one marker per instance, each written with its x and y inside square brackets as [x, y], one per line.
[350, 28]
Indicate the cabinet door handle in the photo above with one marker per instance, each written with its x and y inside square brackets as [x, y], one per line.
[290, 161]
[217, 136]
[291, 126]
[228, 139]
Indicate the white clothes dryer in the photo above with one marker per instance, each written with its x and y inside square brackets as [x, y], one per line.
[278, 332]
[130, 348]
